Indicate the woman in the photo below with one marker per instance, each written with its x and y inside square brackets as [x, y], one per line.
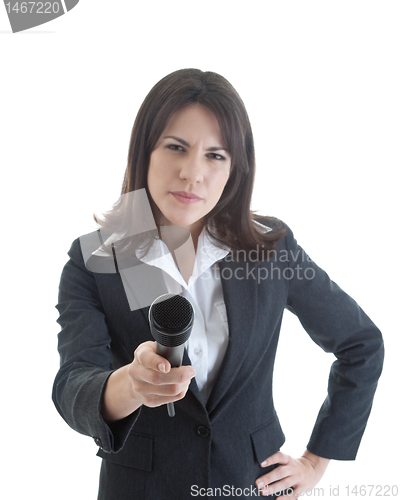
[191, 167]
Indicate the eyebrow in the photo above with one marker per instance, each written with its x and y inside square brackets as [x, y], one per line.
[184, 143]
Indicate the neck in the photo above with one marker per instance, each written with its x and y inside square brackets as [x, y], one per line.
[182, 245]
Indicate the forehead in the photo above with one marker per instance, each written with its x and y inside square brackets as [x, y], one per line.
[194, 118]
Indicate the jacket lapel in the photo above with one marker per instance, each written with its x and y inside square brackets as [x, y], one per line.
[240, 295]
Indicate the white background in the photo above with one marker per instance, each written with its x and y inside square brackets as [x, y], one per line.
[321, 84]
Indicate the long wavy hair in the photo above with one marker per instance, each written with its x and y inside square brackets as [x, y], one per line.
[232, 221]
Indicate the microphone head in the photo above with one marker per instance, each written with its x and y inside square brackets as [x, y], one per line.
[171, 319]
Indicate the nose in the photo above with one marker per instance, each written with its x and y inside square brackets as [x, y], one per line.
[192, 169]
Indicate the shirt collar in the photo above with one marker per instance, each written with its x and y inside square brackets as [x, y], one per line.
[207, 254]
[261, 227]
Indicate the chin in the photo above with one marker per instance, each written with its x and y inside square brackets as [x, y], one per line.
[182, 221]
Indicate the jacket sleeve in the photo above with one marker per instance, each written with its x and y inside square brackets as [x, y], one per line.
[85, 357]
[337, 324]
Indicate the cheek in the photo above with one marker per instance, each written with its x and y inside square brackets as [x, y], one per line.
[150, 180]
[154, 174]
[220, 182]
[161, 170]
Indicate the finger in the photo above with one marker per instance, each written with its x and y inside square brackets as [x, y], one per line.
[276, 458]
[146, 356]
[167, 394]
[164, 391]
[177, 376]
[283, 487]
[271, 479]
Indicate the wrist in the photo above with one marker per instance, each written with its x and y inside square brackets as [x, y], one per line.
[119, 398]
[319, 463]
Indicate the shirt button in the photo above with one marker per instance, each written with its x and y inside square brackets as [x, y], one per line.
[198, 351]
[203, 431]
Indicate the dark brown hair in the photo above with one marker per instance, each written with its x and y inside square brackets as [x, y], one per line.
[231, 217]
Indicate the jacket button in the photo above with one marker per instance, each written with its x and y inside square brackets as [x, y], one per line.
[98, 441]
[203, 431]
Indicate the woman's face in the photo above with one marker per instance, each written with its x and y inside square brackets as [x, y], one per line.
[189, 168]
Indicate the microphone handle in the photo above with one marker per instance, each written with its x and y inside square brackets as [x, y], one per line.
[174, 355]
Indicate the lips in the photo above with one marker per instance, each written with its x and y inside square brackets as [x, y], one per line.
[185, 197]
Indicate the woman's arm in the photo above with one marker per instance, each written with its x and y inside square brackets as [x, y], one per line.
[85, 356]
[338, 325]
[92, 397]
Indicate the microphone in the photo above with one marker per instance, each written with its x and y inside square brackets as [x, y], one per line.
[171, 319]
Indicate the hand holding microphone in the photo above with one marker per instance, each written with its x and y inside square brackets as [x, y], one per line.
[171, 320]
[154, 377]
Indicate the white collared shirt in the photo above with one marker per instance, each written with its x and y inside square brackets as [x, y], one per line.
[208, 341]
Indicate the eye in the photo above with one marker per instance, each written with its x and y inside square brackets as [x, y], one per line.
[216, 156]
[175, 147]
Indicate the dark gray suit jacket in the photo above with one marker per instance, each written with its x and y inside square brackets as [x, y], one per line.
[150, 455]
